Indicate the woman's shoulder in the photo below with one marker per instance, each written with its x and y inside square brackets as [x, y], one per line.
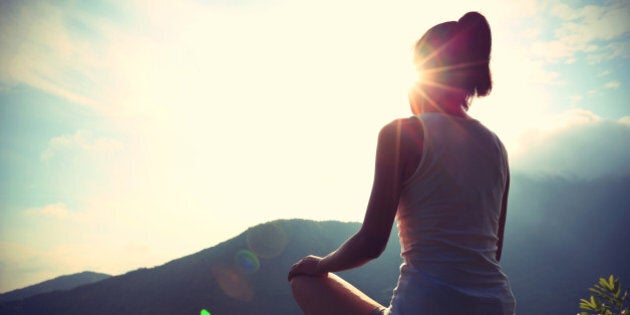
[408, 136]
[402, 130]
[402, 124]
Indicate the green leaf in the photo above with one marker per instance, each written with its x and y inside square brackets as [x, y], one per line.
[611, 282]
[609, 298]
[604, 283]
[587, 305]
[600, 288]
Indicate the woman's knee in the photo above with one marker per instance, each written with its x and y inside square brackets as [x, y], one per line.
[304, 292]
[299, 284]
[296, 283]
[329, 295]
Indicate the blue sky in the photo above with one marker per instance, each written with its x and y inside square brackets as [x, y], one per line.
[135, 133]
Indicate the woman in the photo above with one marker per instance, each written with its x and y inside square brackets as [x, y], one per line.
[445, 178]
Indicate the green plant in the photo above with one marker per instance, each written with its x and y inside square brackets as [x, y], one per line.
[608, 298]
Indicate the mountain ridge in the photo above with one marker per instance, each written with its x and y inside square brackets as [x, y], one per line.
[220, 279]
[561, 236]
[64, 282]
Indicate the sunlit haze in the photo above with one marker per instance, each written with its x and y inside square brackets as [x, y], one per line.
[136, 132]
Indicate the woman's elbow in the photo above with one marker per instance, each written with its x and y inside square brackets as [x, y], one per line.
[373, 247]
[374, 253]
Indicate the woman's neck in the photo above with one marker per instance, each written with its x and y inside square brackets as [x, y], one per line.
[457, 111]
[433, 100]
[454, 105]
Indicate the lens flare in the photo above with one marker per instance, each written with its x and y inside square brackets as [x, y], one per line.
[246, 262]
[233, 283]
[204, 312]
[267, 240]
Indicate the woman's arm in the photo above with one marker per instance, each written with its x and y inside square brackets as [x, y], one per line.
[502, 218]
[372, 238]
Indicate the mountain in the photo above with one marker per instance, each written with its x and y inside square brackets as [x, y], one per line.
[245, 275]
[561, 236]
[60, 283]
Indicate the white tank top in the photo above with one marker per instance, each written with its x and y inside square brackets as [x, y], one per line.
[448, 215]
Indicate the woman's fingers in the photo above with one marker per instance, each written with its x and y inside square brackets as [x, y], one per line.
[305, 266]
[294, 270]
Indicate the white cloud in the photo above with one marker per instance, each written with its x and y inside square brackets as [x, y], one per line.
[27, 264]
[531, 33]
[57, 210]
[604, 73]
[81, 140]
[54, 239]
[597, 31]
[576, 144]
[39, 50]
[612, 84]
[576, 98]
[17, 269]
[62, 213]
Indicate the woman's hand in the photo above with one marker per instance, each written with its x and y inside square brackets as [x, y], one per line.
[307, 266]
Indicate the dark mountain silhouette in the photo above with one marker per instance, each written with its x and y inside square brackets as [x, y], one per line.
[60, 283]
[245, 275]
[561, 237]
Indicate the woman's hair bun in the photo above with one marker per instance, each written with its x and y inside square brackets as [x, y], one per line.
[476, 40]
[472, 19]
[475, 30]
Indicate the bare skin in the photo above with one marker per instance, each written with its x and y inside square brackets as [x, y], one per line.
[317, 291]
[399, 151]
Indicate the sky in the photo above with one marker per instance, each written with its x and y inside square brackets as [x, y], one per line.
[136, 132]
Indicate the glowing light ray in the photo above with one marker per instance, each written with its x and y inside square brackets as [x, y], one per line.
[426, 73]
[441, 85]
[439, 108]
[428, 98]
[460, 65]
[439, 70]
[439, 49]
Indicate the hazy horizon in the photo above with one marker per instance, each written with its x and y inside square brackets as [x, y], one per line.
[137, 133]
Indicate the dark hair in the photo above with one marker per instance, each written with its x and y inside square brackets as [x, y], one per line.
[457, 55]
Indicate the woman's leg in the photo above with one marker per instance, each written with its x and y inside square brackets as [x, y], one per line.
[330, 295]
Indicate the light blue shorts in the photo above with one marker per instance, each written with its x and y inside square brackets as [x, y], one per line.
[380, 311]
[419, 293]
